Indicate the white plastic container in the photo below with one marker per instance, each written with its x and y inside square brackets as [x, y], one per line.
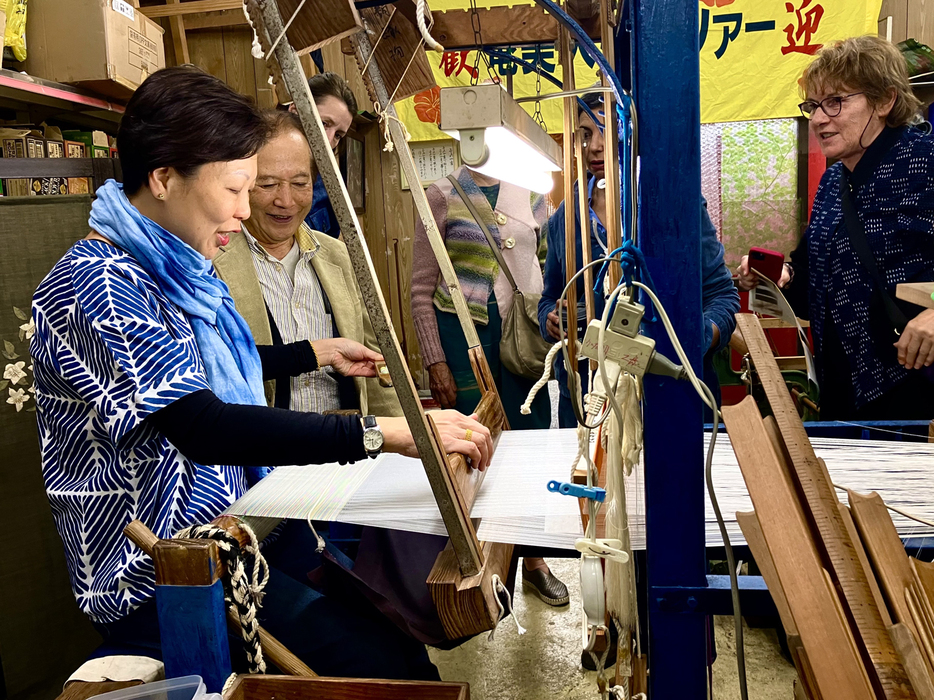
[185, 688]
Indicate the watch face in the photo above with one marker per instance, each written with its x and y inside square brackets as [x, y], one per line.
[372, 440]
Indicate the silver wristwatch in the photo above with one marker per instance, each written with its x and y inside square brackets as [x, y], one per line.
[372, 437]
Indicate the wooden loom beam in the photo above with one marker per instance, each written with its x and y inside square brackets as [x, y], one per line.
[830, 533]
[454, 511]
[466, 600]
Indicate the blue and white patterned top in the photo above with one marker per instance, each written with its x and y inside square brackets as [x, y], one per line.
[108, 351]
[893, 193]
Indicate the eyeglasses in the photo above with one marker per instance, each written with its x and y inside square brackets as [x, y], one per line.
[832, 106]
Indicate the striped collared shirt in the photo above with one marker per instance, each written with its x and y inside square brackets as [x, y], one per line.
[299, 310]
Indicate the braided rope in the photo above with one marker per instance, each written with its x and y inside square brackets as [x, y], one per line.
[243, 592]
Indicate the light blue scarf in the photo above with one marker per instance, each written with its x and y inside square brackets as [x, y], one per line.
[186, 277]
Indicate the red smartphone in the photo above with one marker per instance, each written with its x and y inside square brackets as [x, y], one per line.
[767, 262]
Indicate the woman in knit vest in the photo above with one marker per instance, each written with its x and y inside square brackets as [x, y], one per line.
[514, 217]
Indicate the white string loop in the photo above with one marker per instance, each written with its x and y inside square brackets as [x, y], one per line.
[498, 588]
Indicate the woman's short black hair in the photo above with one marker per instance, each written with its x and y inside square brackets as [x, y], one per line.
[594, 100]
[183, 118]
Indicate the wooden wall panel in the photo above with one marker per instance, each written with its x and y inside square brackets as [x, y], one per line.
[207, 51]
[241, 75]
[894, 12]
[920, 21]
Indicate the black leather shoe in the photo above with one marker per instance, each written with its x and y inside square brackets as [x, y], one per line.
[546, 586]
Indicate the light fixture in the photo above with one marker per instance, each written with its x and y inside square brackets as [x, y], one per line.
[498, 138]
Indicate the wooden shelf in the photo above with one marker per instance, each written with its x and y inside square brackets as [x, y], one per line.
[45, 99]
[99, 168]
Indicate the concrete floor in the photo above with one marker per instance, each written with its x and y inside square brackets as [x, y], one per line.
[545, 662]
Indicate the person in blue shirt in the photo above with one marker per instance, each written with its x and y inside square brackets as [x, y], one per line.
[720, 298]
[337, 106]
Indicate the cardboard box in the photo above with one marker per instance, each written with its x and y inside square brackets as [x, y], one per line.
[54, 148]
[96, 143]
[21, 143]
[77, 185]
[108, 46]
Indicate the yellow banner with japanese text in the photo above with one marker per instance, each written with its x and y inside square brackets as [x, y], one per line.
[422, 113]
[753, 52]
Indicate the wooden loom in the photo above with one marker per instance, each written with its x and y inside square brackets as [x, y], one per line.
[823, 562]
[461, 582]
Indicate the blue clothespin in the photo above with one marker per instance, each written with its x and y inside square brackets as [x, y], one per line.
[594, 493]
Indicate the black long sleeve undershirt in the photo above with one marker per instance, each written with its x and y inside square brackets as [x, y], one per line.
[210, 431]
[284, 361]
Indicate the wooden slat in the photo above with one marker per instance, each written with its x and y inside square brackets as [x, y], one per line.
[215, 20]
[886, 552]
[501, 26]
[401, 41]
[189, 8]
[286, 688]
[913, 660]
[821, 503]
[838, 670]
[570, 233]
[179, 39]
[752, 532]
[917, 293]
[864, 560]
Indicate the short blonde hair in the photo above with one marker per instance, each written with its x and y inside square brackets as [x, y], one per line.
[867, 64]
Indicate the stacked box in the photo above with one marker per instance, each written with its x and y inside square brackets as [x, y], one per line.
[77, 185]
[54, 148]
[21, 143]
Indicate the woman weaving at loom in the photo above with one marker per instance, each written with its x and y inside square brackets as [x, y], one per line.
[871, 227]
[149, 385]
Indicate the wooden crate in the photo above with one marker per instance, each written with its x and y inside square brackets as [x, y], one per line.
[292, 688]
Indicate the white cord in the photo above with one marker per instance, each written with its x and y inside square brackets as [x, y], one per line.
[420, 11]
[695, 382]
[526, 408]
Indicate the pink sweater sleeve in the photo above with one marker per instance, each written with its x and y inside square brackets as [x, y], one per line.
[425, 277]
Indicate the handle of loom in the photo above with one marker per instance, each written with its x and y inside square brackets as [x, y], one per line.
[273, 649]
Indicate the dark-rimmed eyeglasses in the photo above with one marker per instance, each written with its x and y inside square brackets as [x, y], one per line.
[832, 106]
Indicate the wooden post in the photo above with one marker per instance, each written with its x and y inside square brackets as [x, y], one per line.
[610, 146]
[570, 229]
[274, 650]
[179, 40]
[191, 609]
[454, 512]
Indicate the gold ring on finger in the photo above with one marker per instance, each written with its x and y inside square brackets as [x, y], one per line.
[468, 435]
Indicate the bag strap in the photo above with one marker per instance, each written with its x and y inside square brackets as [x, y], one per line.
[486, 232]
[860, 244]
